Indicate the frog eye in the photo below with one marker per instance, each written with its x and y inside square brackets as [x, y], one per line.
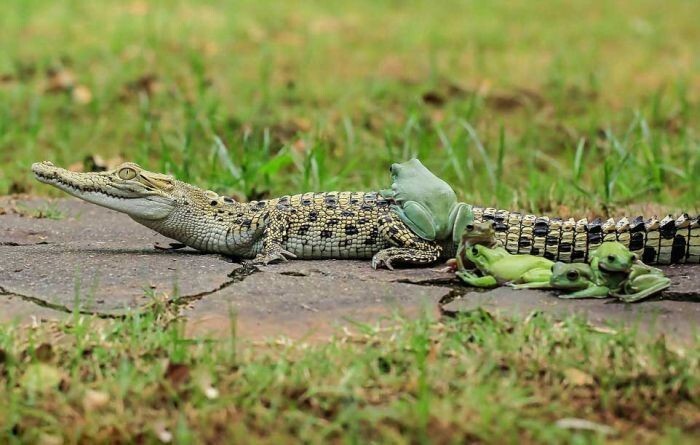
[470, 227]
[611, 258]
[475, 251]
[127, 173]
[572, 275]
[634, 257]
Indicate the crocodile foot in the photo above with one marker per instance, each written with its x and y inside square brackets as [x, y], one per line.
[277, 256]
[404, 256]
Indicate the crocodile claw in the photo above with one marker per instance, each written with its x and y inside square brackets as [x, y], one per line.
[280, 255]
[379, 260]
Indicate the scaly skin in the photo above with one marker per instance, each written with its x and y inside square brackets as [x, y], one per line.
[344, 224]
[654, 242]
[312, 225]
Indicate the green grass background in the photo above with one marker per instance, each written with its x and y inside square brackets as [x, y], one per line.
[552, 106]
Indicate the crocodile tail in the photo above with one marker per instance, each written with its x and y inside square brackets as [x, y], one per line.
[670, 240]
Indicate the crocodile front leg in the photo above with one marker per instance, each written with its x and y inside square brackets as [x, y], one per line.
[273, 235]
[410, 248]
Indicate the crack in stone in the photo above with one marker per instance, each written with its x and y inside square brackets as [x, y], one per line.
[15, 244]
[693, 297]
[432, 282]
[236, 276]
[293, 273]
[57, 307]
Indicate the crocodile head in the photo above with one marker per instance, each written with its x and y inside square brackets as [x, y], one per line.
[128, 188]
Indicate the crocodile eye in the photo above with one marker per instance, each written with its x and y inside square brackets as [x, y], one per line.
[572, 275]
[127, 173]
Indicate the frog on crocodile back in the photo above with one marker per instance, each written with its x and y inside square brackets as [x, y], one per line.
[426, 203]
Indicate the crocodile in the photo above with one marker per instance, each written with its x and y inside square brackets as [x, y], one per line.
[348, 225]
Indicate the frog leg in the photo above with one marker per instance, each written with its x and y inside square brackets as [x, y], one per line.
[533, 285]
[534, 279]
[477, 281]
[589, 292]
[417, 218]
[651, 286]
[460, 217]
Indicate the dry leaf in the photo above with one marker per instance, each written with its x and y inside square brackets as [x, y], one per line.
[148, 83]
[17, 188]
[81, 95]
[299, 146]
[6, 80]
[603, 330]
[137, 8]
[49, 439]
[44, 353]
[40, 377]
[76, 167]
[177, 373]
[204, 382]
[572, 423]
[93, 400]
[96, 163]
[577, 377]
[59, 80]
[433, 98]
[210, 48]
[302, 123]
[161, 431]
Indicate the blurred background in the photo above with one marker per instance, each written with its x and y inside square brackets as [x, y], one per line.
[568, 107]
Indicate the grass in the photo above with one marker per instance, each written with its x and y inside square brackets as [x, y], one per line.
[541, 107]
[475, 378]
[567, 108]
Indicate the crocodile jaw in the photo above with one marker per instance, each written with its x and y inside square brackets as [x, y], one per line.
[107, 190]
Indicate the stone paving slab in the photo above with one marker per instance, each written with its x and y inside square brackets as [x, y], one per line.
[312, 298]
[98, 257]
[116, 265]
[14, 309]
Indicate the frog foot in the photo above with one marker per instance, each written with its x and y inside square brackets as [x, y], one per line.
[450, 266]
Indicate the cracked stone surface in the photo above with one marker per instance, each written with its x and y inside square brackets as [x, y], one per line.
[16, 309]
[312, 298]
[98, 258]
[113, 264]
